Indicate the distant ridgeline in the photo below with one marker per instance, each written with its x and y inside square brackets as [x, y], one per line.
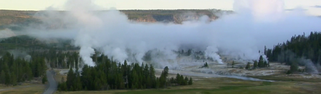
[298, 51]
[8, 17]
[109, 74]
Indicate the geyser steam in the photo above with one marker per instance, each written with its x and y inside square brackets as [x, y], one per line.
[241, 35]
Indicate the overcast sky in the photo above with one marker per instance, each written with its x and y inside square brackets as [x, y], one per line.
[153, 4]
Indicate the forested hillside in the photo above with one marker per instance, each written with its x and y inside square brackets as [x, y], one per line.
[301, 49]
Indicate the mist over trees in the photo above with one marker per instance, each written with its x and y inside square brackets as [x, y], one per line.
[58, 53]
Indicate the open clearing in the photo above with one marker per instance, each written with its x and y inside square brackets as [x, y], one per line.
[23, 89]
[225, 86]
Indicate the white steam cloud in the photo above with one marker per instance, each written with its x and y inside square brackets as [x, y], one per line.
[254, 24]
[6, 33]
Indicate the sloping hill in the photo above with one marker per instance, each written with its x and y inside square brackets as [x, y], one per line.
[8, 17]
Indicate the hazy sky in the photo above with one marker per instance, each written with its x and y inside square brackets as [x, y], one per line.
[152, 4]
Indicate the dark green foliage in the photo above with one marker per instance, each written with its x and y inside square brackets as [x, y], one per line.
[190, 82]
[248, 66]
[180, 80]
[186, 81]
[15, 70]
[205, 65]
[111, 75]
[299, 46]
[294, 67]
[59, 59]
[2, 77]
[56, 53]
[261, 62]
[258, 64]
[28, 43]
[233, 63]
[255, 65]
[266, 64]
[44, 79]
[163, 78]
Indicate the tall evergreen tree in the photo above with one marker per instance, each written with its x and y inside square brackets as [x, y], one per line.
[248, 66]
[255, 65]
[2, 77]
[190, 82]
[261, 62]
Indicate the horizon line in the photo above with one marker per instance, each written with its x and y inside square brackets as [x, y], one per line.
[123, 9]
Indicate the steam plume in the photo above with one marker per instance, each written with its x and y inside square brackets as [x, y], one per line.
[254, 24]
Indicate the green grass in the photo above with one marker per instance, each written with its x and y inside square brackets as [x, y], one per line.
[277, 78]
[34, 89]
[224, 86]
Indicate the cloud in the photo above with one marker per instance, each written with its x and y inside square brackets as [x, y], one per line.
[317, 6]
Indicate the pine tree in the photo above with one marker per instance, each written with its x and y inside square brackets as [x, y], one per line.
[178, 81]
[152, 76]
[8, 79]
[44, 79]
[294, 67]
[205, 65]
[2, 77]
[29, 72]
[261, 62]
[255, 65]
[266, 64]
[248, 66]
[135, 80]
[163, 77]
[190, 82]
[186, 81]
[70, 78]
[14, 79]
[233, 63]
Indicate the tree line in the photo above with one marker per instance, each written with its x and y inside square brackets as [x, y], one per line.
[261, 63]
[27, 43]
[299, 46]
[108, 74]
[296, 51]
[59, 58]
[15, 70]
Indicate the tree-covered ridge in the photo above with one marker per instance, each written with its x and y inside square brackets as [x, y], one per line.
[301, 46]
[109, 74]
[16, 70]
